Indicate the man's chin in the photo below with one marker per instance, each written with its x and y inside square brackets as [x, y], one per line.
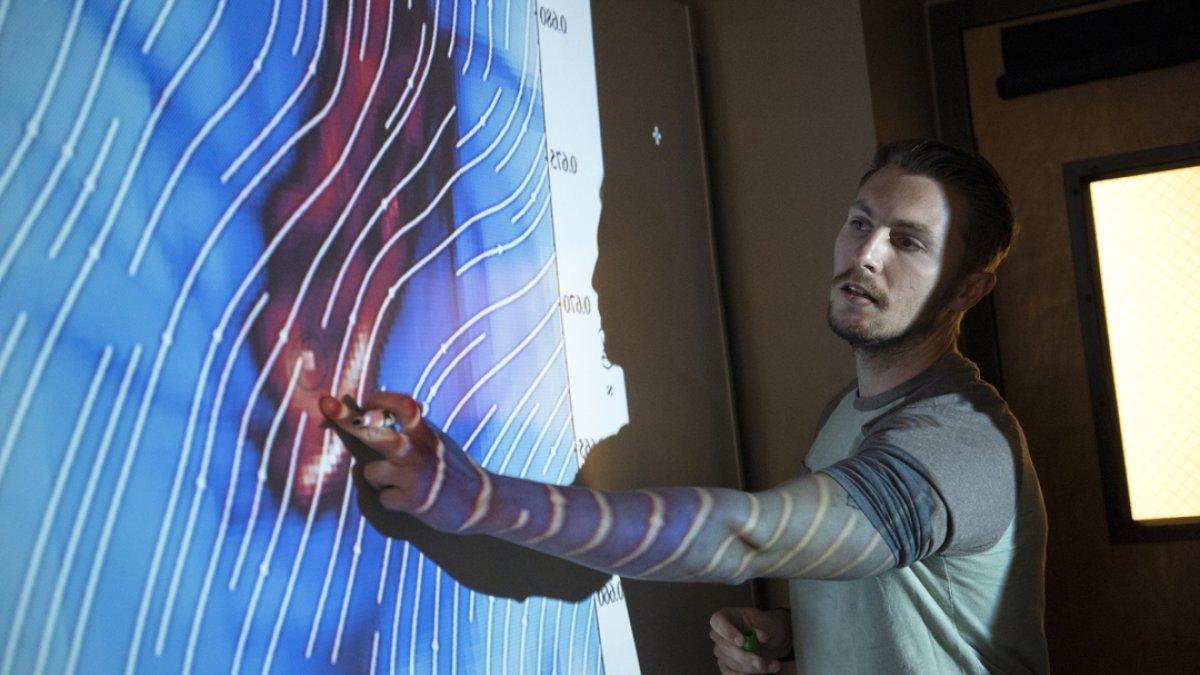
[863, 338]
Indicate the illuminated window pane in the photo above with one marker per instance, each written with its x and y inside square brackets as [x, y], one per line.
[1147, 230]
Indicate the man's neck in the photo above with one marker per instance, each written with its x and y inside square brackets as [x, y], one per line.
[879, 372]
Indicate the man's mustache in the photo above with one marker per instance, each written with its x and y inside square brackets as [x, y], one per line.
[850, 277]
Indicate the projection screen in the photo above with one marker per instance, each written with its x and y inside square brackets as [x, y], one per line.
[213, 212]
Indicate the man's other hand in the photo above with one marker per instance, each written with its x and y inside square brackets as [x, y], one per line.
[772, 628]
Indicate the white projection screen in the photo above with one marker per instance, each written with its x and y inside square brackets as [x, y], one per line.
[213, 212]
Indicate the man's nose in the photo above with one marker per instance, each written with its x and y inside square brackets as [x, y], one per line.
[871, 251]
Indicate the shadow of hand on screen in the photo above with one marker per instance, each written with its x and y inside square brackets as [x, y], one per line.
[480, 563]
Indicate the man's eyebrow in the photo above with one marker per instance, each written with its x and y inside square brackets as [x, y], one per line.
[919, 228]
[862, 206]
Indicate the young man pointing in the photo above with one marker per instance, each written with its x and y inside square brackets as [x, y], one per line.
[913, 541]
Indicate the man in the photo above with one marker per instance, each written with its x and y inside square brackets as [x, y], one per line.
[915, 539]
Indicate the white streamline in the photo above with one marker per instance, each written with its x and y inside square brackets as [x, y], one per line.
[567, 462]
[533, 195]
[437, 384]
[470, 40]
[655, 522]
[356, 555]
[201, 135]
[317, 191]
[706, 505]
[377, 323]
[508, 245]
[409, 84]
[383, 569]
[416, 616]
[483, 119]
[379, 210]
[309, 73]
[487, 68]
[453, 28]
[297, 559]
[567, 423]
[605, 522]
[200, 485]
[34, 125]
[10, 342]
[68, 147]
[537, 87]
[159, 20]
[483, 500]
[164, 97]
[34, 564]
[512, 447]
[558, 515]
[537, 444]
[499, 366]
[537, 381]
[479, 428]
[746, 528]
[300, 26]
[193, 274]
[324, 183]
[818, 517]
[366, 29]
[264, 566]
[85, 190]
[332, 561]
[260, 475]
[439, 477]
[476, 318]
[396, 609]
[67, 564]
[100, 555]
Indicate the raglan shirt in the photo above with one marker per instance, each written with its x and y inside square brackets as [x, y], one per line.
[940, 467]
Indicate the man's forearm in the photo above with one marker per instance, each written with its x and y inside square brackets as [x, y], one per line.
[803, 528]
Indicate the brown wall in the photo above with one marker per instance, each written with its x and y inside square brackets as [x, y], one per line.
[898, 69]
[789, 125]
[793, 95]
[1110, 608]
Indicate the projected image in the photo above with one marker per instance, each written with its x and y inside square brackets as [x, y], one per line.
[213, 213]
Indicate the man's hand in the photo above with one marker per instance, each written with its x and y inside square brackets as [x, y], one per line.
[406, 469]
[773, 630]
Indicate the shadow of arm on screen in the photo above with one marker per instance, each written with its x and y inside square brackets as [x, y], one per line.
[481, 563]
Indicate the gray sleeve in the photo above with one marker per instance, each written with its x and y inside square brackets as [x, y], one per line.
[936, 478]
[968, 453]
[895, 492]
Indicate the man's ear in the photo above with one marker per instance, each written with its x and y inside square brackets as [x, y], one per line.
[971, 289]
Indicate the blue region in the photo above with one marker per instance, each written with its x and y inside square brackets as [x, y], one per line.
[100, 295]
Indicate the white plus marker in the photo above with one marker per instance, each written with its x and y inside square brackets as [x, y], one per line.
[656, 135]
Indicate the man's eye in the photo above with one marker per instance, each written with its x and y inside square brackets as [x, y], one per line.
[857, 224]
[908, 243]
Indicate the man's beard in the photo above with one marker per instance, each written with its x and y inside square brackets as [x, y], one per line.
[922, 326]
[884, 343]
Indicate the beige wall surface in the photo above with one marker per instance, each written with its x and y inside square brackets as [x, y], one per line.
[789, 126]
[793, 93]
[1110, 608]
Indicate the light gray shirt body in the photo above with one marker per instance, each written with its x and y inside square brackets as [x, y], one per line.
[940, 466]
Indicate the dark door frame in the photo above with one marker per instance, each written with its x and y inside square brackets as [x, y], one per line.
[945, 23]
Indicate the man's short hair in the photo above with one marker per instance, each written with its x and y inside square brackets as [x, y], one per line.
[989, 229]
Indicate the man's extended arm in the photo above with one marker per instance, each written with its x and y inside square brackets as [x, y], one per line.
[804, 528]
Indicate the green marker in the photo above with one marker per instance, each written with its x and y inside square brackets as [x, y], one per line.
[749, 640]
